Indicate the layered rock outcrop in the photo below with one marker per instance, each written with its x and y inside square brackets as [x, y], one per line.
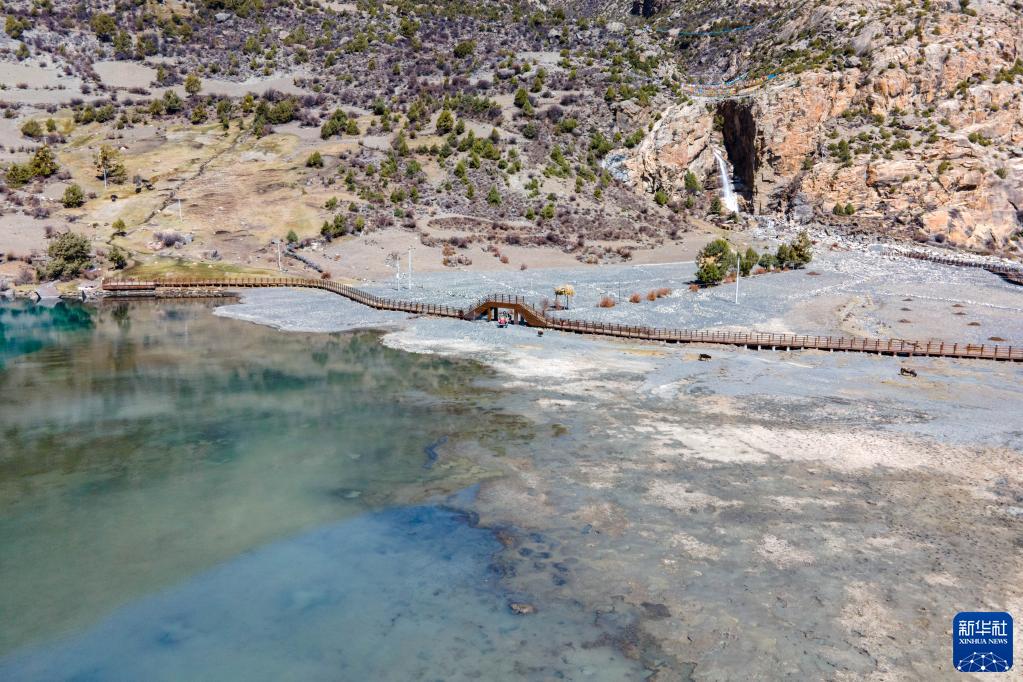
[918, 124]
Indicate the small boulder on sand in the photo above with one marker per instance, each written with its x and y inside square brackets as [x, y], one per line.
[521, 608]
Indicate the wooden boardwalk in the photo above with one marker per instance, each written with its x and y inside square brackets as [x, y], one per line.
[522, 311]
[1011, 274]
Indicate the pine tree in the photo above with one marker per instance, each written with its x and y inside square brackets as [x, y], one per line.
[109, 165]
[692, 182]
[714, 262]
[69, 253]
[493, 196]
[73, 197]
[43, 163]
[117, 257]
[749, 259]
[801, 250]
[521, 97]
[445, 122]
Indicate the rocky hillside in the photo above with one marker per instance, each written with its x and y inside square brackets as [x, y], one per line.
[585, 126]
[897, 118]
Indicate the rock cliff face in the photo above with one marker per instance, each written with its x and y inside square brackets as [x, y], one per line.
[911, 117]
[679, 141]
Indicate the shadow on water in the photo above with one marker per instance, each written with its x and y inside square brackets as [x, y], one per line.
[401, 594]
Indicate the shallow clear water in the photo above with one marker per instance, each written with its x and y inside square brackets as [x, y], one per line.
[217, 500]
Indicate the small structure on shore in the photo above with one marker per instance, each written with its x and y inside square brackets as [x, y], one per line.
[566, 290]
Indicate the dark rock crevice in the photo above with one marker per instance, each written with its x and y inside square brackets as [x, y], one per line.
[646, 8]
[739, 131]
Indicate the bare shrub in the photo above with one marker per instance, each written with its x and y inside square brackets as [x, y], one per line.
[635, 298]
[663, 291]
[606, 302]
[651, 295]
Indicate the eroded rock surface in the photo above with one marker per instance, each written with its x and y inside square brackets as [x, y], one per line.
[912, 120]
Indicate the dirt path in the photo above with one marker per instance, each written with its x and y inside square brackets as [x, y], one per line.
[172, 196]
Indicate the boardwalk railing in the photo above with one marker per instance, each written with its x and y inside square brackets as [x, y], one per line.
[536, 318]
[1010, 273]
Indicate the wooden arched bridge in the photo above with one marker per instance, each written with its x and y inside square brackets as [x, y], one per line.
[522, 312]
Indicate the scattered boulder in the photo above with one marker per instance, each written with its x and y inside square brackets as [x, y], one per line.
[47, 290]
[704, 357]
[520, 608]
[907, 372]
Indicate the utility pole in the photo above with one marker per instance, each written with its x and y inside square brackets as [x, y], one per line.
[279, 268]
[410, 268]
[179, 209]
[104, 177]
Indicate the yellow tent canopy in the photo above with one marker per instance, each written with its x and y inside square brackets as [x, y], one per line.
[566, 290]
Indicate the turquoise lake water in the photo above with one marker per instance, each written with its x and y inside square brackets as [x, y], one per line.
[188, 497]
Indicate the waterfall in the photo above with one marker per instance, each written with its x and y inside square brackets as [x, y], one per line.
[728, 198]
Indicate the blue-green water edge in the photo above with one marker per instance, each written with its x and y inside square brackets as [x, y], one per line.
[189, 497]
